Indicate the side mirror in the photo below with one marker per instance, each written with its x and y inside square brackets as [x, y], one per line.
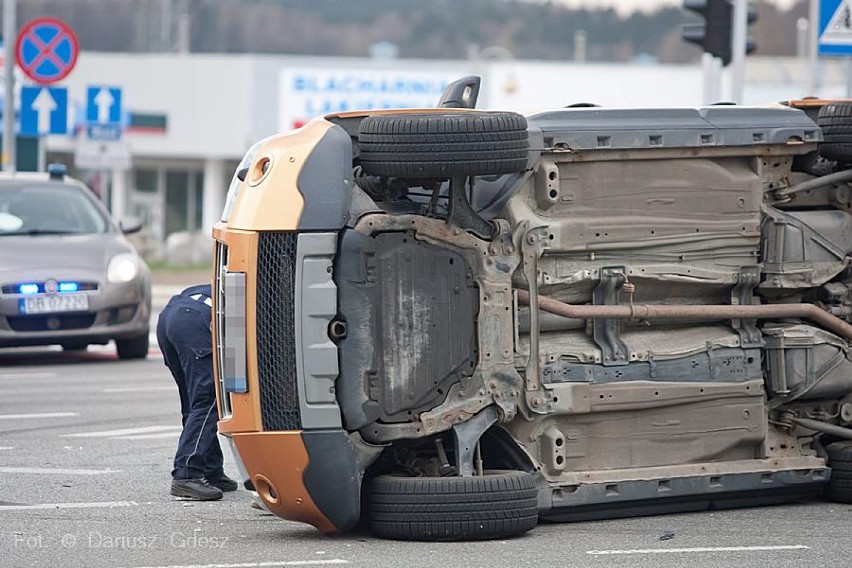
[130, 225]
[461, 93]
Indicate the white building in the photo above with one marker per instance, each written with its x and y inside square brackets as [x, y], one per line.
[192, 116]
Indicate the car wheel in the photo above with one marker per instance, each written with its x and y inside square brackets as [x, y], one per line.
[132, 347]
[495, 505]
[835, 120]
[71, 347]
[441, 146]
[839, 487]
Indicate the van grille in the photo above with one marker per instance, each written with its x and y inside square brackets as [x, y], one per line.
[276, 348]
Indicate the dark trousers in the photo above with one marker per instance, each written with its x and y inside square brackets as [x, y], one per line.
[184, 337]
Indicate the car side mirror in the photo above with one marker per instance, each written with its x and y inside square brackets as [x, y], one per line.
[461, 93]
[130, 225]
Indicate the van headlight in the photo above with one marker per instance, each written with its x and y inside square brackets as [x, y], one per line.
[122, 267]
[236, 183]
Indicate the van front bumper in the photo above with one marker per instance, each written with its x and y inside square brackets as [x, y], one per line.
[305, 476]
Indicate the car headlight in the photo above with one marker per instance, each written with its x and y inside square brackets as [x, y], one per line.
[123, 268]
[236, 182]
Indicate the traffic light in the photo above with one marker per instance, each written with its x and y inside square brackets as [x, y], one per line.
[714, 35]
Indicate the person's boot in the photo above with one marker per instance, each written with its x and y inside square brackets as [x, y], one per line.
[223, 482]
[197, 489]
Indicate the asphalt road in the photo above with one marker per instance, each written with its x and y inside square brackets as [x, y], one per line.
[86, 443]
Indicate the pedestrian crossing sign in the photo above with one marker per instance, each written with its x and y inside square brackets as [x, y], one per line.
[835, 27]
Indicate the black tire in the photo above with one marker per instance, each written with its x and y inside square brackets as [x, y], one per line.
[837, 139]
[839, 487]
[443, 145]
[838, 124]
[841, 473]
[498, 504]
[838, 481]
[132, 347]
[840, 451]
[845, 467]
[841, 129]
[835, 120]
[835, 113]
[838, 152]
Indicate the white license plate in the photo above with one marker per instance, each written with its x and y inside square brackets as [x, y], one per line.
[55, 303]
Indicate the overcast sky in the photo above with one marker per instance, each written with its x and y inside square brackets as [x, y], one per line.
[626, 6]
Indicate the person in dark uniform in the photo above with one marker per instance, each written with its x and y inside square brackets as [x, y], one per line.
[184, 337]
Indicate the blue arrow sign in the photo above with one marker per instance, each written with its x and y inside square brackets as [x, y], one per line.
[44, 110]
[103, 104]
[835, 27]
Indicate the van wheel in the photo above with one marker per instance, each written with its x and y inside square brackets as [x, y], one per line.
[498, 504]
[839, 487]
[132, 347]
[835, 120]
[443, 145]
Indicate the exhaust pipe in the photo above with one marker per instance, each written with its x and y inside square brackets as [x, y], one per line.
[682, 312]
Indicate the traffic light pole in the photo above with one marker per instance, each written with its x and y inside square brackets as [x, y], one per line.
[724, 35]
[739, 38]
[9, 35]
[813, 55]
[711, 68]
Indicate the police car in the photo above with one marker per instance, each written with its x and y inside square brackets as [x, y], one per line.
[68, 275]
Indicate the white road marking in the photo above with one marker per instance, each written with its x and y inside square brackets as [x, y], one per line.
[25, 376]
[104, 504]
[46, 470]
[123, 432]
[140, 389]
[7, 447]
[151, 436]
[257, 564]
[38, 415]
[699, 549]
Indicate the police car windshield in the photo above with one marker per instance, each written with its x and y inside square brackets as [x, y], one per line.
[48, 209]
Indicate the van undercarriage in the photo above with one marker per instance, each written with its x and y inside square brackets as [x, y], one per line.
[572, 315]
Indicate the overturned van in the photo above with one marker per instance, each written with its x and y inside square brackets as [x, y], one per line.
[452, 323]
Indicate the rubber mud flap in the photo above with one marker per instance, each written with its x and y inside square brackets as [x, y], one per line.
[332, 477]
[325, 182]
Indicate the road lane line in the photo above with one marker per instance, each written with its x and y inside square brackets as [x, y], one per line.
[24, 376]
[330, 561]
[151, 436]
[122, 432]
[37, 415]
[104, 504]
[698, 549]
[63, 471]
[7, 447]
[140, 389]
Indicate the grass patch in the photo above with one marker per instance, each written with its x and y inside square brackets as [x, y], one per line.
[161, 266]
